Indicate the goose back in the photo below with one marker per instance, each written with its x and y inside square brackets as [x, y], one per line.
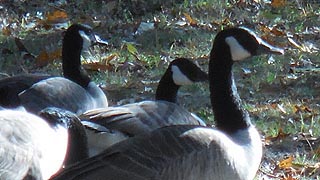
[10, 88]
[142, 117]
[155, 156]
[61, 93]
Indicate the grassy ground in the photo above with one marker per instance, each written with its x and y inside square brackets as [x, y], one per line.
[280, 92]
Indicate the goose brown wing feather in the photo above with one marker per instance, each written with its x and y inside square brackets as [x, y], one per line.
[142, 117]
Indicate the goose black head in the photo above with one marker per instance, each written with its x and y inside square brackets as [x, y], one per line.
[180, 72]
[185, 72]
[77, 140]
[56, 116]
[77, 38]
[242, 43]
[82, 35]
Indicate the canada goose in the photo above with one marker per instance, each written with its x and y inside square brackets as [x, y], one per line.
[143, 117]
[76, 92]
[232, 150]
[34, 147]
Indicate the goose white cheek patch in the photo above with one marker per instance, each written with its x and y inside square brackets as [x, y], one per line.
[179, 78]
[86, 40]
[238, 53]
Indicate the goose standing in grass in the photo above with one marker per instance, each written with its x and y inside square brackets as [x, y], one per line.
[121, 122]
[231, 151]
[76, 92]
[36, 148]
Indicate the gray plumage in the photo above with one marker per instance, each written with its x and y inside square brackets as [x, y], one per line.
[62, 93]
[232, 150]
[142, 117]
[172, 153]
[130, 120]
[75, 92]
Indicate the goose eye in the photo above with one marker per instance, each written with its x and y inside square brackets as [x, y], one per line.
[88, 32]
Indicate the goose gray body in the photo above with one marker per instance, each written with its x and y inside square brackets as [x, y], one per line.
[64, 94]
[232, 150]
[133, 119]
[10, 88]
[143, 117]
[173, 153]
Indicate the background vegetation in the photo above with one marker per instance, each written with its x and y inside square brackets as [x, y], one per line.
[280, 92]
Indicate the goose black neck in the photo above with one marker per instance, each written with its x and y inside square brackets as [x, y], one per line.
[71, 60]
[77, 143]
[228, 112]
[167, 90]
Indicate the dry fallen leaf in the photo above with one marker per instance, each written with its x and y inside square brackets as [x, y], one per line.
[45, 57]
[57, 16]
[317, 152]
[301, 108]
[96, 66]
[191, 21]
[286, 163]
[264, 28]
[274, 105]
[6, 31]
[289, 178]
[278, 3]
[277, 32]
[280, 136]
[107, 59]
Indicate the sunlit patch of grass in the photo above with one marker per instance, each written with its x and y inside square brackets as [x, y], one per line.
[270, 128]
[195, 46]
[150, 60]
[302, 159]
[286, 115]
[206, 114]
[108, 78]
[273, 100]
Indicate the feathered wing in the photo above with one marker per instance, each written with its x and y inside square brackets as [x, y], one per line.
[56, 92]
[143, 117]
[167, 153]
